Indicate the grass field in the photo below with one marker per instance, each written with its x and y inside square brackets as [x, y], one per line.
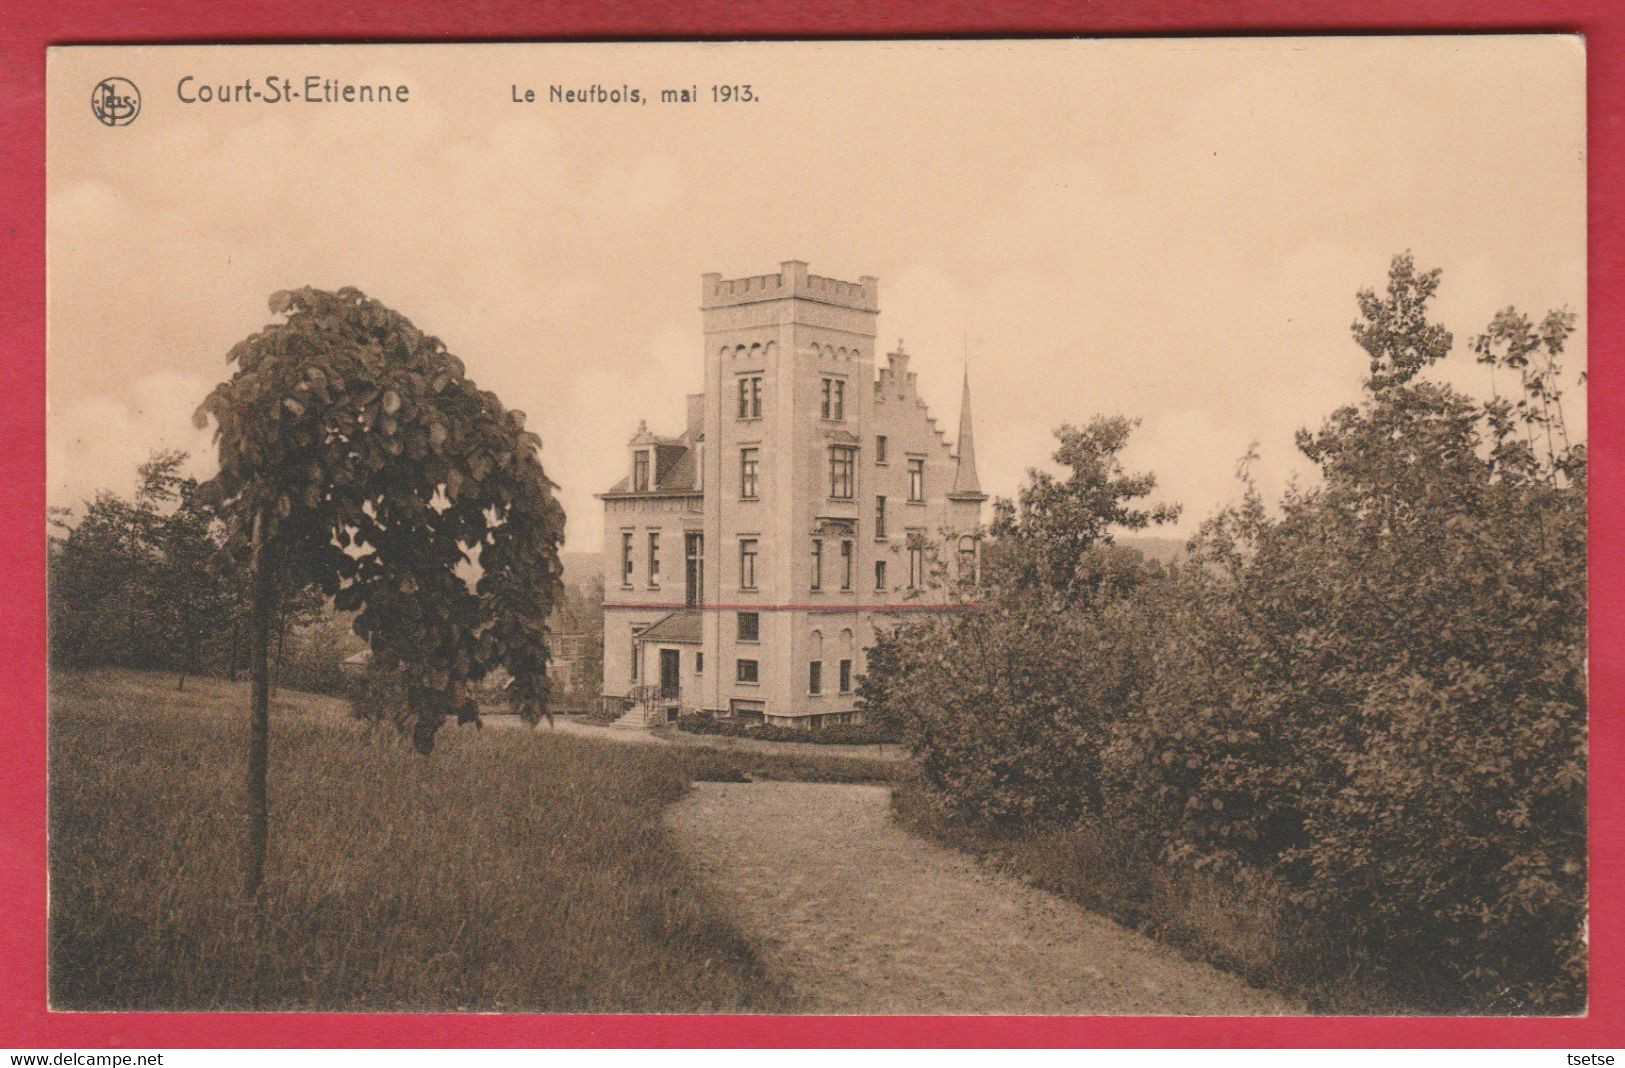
[511, 871]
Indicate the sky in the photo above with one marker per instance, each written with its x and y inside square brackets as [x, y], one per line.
[1171, 230]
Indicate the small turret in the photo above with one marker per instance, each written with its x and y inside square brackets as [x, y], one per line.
[967, 487]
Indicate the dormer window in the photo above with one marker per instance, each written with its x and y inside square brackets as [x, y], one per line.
[640, 471]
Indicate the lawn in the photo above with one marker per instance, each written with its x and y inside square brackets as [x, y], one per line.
[510, 871]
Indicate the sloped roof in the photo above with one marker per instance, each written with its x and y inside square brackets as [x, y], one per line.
[677, 627]
[676, 476]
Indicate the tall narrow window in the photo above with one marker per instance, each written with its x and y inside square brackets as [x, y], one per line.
[845, 678]
[834, 406]
[916, 480]
[880, 518]
[818, 564]
[846, 564]
[916, 560]
[842, 461]
[626, 558]
[640, 471]
[654, 559]
[747, 563]
[880, 576]
[637, 651]
[815, 677]
[750, 397]
[880, 449]
[699, 663]
[748, 462]
[693, 569]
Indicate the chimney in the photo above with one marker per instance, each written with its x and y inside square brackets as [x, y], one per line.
[696, 411]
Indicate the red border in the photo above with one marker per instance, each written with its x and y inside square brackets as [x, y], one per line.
[35, 25]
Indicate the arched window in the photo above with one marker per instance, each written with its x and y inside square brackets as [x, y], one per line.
[967, 559]
[815, 664]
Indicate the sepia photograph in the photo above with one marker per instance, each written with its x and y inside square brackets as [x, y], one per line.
[898, 527]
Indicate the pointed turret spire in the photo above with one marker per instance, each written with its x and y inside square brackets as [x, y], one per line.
[966, 484]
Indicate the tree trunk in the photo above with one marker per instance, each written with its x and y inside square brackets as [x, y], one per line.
[281, 636]
[236, 647]
[259, 715]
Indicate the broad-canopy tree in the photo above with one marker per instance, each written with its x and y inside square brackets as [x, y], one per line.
[356, 452]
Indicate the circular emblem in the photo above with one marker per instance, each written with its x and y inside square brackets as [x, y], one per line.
[115, 101]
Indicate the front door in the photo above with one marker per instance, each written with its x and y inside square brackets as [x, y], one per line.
[670, 665]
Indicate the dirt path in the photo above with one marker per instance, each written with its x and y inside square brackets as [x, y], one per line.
[860, 916]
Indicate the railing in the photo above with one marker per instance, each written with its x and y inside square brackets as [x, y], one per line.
[656, 695]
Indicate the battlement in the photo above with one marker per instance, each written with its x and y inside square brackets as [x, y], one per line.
[791, 281]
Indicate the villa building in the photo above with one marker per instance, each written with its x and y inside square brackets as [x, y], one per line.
[749, 559]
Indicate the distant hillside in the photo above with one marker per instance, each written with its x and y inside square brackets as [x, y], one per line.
[581, 569]
[1157, 546]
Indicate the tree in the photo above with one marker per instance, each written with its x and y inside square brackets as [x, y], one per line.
[1044, 538]
[356, 453]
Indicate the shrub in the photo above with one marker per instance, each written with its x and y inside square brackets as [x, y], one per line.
[1374, 697]
[839, 734]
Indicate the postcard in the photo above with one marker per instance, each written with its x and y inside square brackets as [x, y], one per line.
[1063, 527]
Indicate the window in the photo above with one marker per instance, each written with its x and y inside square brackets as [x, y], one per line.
[880, 519]
[815, 677]
[967, 559]
[916, 480]
[640, 471]
[842, 460]
[746, 671]
[750, 397]
[748, 459]
[626, 558]
[880, 575]
[637, 649]
[846, 564]
[699, 663]
[846, 676]
[654, 559]
[693, 569]
[818, 564]
[880, 449]
[916, 562]
[747, 563]
[749, 626]
[834, 399]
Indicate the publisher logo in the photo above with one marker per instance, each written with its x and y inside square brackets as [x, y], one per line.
[115, 101]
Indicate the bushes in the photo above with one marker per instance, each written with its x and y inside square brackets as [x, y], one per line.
[840, 734]
[1374, 696]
